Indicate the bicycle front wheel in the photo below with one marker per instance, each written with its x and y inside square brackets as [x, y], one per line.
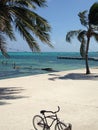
[38, 122]
[62, 126]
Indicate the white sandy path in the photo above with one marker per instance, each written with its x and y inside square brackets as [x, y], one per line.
[75, 93]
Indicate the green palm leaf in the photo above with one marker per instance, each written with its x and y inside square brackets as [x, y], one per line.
[40, 3]
[27, 36]
[24, 3]
[81, 35]
[20, 14]
[93, 14]
[95, 35]
[71, 34]
[3, 45]
[83, 18]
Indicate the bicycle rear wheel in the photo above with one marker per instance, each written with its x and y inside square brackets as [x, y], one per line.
[62, 126]
[38, 122]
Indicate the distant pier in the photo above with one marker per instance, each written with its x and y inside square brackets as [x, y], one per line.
[77, 58]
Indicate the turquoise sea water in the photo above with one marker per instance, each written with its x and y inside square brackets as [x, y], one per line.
[28, 63]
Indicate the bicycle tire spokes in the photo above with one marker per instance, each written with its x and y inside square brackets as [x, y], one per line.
[38, 123]
[62, 126]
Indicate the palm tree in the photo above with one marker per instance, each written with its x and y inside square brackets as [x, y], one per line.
[21, 16]
[84, 36]
[93, 14]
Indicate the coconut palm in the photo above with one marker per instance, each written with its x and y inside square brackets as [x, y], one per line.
[84, 36]
[20, 15]
[93, 14]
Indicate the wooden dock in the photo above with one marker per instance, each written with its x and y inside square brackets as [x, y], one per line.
[77, 58]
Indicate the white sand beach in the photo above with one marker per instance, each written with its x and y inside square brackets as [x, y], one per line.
[76, 94]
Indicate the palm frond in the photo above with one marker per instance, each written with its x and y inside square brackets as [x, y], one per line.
[71, 34]
[83, 18]
[82, 39]
[8, 30]
[95, 35]
[5, 22]
[42, 29]
[81, 35]
[24, 3]
[27, 36]
[3, 45]
[26, 21]
[35, 23]
[40, 3]
[83, 47]
[93, 14]
[83, 50]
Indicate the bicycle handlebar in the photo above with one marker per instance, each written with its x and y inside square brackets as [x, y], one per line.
[43, 111]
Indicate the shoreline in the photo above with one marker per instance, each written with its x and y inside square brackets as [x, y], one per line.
[18, 66]
[82, 70]
[47, 72]
[75, 92]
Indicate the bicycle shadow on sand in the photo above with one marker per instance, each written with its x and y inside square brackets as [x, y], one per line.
[10, 93]
[74, 76]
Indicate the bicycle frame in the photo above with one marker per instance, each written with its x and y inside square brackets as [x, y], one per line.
[53, 117]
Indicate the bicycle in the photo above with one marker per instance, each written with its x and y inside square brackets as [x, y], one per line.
[41, 122]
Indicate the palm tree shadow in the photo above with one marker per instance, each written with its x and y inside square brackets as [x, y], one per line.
[10, 93]
[76, 76]
[80, 76]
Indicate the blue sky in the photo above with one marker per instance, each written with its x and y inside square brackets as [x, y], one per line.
[62, 15]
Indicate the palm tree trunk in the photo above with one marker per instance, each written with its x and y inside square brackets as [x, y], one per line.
[86, 58]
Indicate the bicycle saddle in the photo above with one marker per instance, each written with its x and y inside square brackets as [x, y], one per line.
[42, 111]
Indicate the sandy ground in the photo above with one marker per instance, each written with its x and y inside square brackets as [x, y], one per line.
[75, 93]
